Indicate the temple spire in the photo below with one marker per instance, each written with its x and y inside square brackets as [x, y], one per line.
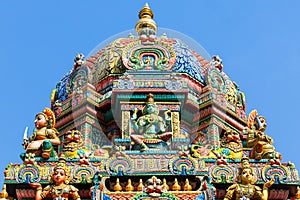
[145, 20]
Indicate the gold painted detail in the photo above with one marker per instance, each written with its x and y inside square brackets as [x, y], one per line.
[146, 20]
[175, 124]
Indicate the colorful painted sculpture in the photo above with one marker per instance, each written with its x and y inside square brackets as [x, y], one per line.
[96, 191]
[231, 146]
[73, 144]
[216, 61]
[261, 144]
[78, 60]
[245, 188]
[151, 128]
[44, 137]
[59, 189]
[154, 187]
[115, 137]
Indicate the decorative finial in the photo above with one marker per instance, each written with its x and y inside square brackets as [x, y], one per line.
[3, 193]
[146, 20]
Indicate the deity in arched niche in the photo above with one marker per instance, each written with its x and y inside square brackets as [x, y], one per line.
[150, 128]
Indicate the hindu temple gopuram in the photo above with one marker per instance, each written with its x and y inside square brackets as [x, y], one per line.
[147, 117]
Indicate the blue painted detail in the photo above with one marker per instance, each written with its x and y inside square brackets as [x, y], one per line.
[61, 88]
[105, 197]
[27, 178]
[186, 62]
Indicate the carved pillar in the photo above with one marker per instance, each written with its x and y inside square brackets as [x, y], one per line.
[213, 136]
[125, 124]
[86, 131]
[175, 124]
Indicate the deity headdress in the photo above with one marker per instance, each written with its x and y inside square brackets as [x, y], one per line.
[50, 117]
[60, 165]
[246, 165]
[150, 100]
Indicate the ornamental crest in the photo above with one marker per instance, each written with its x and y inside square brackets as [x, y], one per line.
[159, 56]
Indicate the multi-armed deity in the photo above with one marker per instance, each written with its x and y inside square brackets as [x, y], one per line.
[44, 136]
[150, 128]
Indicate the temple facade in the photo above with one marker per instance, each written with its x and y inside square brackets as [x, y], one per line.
[147, 117]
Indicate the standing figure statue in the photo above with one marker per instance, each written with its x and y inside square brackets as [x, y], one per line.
[245, 189]
[151, 128]
[59, 188]
[44, 136]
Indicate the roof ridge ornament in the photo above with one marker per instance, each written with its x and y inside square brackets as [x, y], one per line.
[146, 21]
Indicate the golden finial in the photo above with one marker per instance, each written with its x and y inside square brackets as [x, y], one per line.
[146, 19]
[176, 186]
[140, 186]
[165, 185]
[146, 11]
[117, 186]
[298, 193]
[3, 193]
[129, 186]
[187, 186]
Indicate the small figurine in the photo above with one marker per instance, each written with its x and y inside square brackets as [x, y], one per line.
[59, 189]
[151, 127]
[245, 188]
[217, 62]
[44, 136]
[78, 60]
[96, 191]
[154, 187]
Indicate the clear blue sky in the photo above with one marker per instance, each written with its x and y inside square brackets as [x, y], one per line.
[259, 42]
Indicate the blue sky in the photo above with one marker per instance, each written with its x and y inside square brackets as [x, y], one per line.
[259, 42]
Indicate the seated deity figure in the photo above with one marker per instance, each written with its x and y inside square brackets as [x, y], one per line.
[244, 188]
[151, 128]
[44, 136]
[262, 144]
[59, 188]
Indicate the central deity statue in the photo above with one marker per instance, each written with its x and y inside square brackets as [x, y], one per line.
[150, 128]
